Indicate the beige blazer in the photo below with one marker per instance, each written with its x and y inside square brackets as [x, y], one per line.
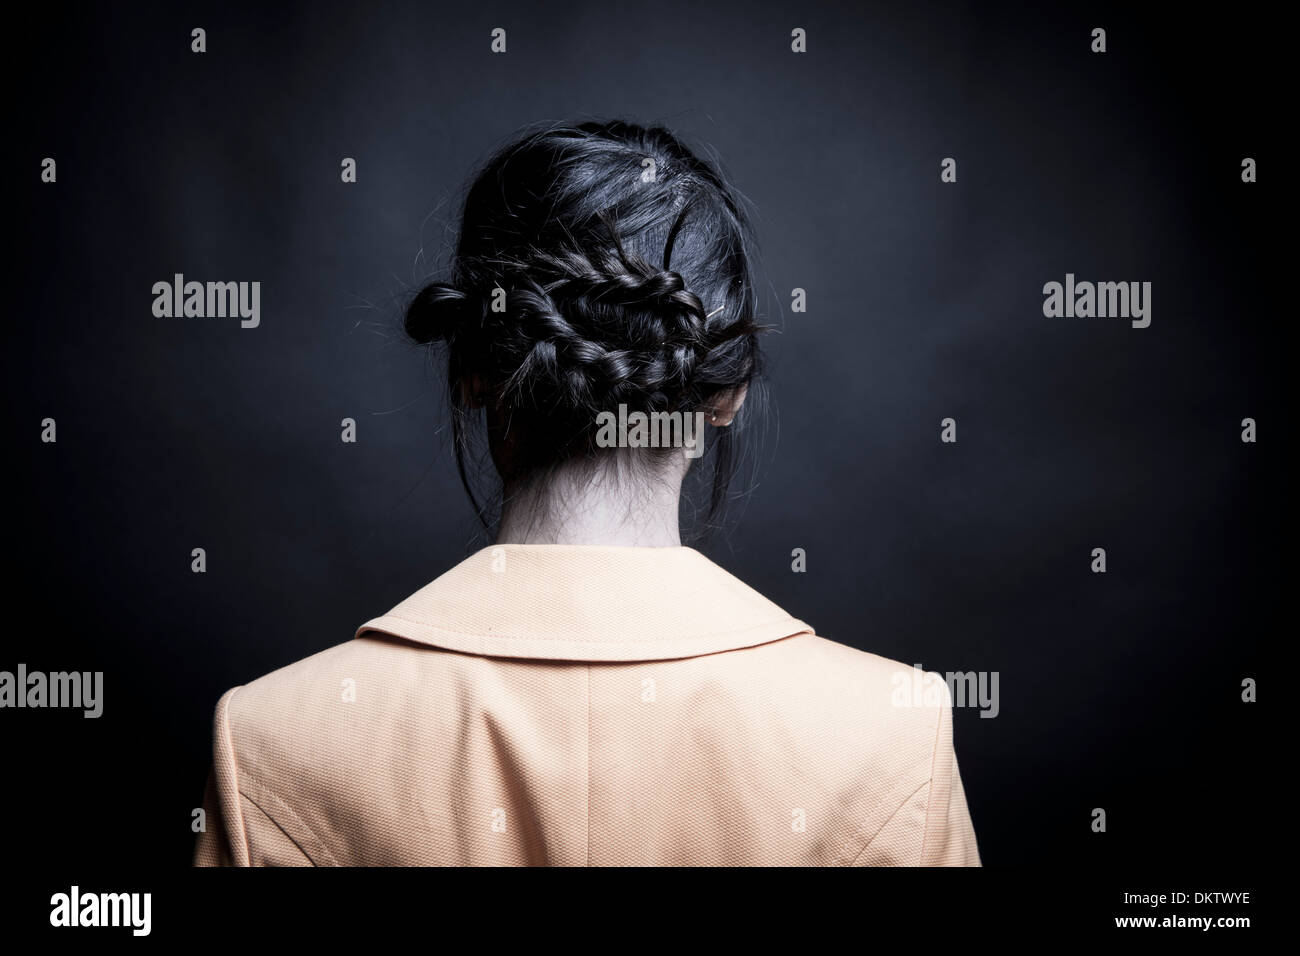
[584, 705]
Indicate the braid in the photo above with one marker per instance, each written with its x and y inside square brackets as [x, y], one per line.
[582, 330]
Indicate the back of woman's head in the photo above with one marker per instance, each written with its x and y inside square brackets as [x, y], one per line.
[598, 265]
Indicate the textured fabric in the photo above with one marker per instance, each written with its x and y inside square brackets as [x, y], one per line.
[572, 705]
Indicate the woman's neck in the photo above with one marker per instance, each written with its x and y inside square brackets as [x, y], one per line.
[596, 507]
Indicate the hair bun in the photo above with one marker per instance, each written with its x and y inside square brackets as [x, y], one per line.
[436, 312]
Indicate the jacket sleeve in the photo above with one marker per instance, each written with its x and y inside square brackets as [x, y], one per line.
[949, 835]
[223, 842]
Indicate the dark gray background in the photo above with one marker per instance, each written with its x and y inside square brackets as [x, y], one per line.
[1118, 690]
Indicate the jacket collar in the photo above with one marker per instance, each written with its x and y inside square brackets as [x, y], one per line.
[587, 603]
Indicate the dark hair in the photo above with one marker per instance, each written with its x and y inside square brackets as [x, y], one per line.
[598, 264]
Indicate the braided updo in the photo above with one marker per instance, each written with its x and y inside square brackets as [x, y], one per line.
[598, 265]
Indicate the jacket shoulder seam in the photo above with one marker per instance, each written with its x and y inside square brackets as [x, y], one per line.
[934, 762]
[228, 745]
[262, 795]
[881, 829]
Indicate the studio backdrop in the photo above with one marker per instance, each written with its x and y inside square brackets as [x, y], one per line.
[1024, 408]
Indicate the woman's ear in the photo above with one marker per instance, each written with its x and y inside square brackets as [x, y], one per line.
[726, 404]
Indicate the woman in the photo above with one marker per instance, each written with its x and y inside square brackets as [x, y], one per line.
[588, 690]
